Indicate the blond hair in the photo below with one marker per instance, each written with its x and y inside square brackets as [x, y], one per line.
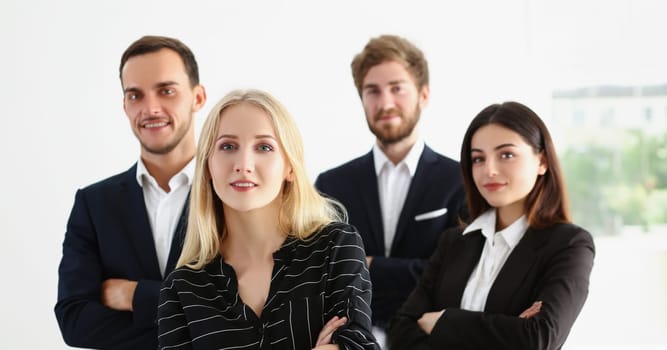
[303, 210]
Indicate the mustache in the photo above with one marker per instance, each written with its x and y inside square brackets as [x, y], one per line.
[390, 111]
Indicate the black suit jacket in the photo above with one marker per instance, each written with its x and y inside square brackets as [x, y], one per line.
[552, 265]
[436, 184]
[109, 236]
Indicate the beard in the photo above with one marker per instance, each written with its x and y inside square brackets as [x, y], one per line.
[390, 134]
[170, 145]
[162, 150]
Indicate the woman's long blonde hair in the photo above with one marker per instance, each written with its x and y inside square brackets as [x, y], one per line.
[303, 210]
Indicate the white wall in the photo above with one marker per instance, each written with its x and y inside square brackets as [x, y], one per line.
[63, 125]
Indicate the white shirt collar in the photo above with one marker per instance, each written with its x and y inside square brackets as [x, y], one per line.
[486, 222]
[411, 159]
[187, 173]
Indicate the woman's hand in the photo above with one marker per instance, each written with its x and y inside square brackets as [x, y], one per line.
[428, 320]
[324, 338]
[532, 310]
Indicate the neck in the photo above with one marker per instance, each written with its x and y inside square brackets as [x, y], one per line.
[506, 216]
[164, 166]
[252, 235]
[397, 151]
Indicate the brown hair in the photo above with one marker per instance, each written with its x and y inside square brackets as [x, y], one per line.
[546, 204]
[149, 44]
[390, 48]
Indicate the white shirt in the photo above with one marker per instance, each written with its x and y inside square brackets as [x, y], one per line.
[393, 185]
[164, 208]
[497, 248]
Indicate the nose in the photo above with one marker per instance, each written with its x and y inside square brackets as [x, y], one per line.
[386, 101]
[244, 163]
[152, 106]
[490, 168]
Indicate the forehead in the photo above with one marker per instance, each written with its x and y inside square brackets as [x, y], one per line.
[491, 135]
[148, 69]
[386, 73]
[245, 119]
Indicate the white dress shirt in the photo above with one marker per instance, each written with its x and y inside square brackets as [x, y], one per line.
[393, 185]
[497, 248]
[164, 208]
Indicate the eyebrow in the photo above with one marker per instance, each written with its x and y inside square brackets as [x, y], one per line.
[156, 86]
[495, 148]
[258, 137]
[374, 85]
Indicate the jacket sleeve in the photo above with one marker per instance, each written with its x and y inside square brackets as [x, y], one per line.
[562, 288]
[404, 332]
[348, 291]
[84, 321]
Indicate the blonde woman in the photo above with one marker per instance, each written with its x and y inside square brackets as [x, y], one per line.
[267, 262]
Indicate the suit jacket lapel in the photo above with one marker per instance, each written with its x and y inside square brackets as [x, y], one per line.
[514, 271]
[418, 186]
[179, 237]
[464, 257]
[368, 187]
[137, 226]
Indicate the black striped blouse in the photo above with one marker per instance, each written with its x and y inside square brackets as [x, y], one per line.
[312, 281]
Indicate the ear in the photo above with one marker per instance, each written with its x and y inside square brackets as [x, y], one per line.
[543, 166]
[290, 175]
[200, 98]
[423, 96]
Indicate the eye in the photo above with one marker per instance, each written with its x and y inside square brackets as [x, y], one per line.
[371, 91]
[476, 160]
[168, 91]
[265, 147]
[132, 96]
[396, 88]
[507, 155]
[225, 146]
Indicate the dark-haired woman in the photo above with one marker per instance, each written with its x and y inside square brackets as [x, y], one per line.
[516, 276]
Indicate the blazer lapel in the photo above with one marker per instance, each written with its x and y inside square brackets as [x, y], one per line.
[368, 187]
[137, 226]
[418, 186]
[179, 237]
[514, 271]
[460, 263]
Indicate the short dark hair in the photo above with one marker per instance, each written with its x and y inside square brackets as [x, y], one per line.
[546, 204]
[387, 48]
[151, 43]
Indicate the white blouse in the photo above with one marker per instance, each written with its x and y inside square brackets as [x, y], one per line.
[497, 248]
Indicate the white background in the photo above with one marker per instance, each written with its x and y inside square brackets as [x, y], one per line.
[63, 126]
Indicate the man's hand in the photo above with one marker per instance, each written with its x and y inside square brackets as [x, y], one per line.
[428, 320]
[118, 293]
[369, 259]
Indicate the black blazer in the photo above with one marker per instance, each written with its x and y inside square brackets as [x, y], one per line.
[109, 236]
[552, 265]
[435, 185]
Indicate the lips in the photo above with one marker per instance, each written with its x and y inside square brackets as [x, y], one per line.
[388, 114]
[494, 186]
[243, 185]
[154, 123]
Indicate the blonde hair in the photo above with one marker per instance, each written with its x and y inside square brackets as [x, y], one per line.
[303, 210]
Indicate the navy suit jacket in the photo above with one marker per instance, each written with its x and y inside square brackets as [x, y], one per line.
[551, 265]
[435, 185]
[109, 236]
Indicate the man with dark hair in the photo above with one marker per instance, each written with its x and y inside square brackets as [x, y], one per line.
[402, 195]
[125, 233]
